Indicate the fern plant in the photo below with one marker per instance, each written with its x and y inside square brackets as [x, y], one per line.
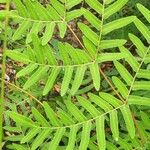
[86, 117]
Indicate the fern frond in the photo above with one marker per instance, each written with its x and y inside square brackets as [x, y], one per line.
[89, 121]
[129, 83]
[46, 18]
[80, 60]
[96, 37]
[42, 61]
[55, 125]
[72, 123]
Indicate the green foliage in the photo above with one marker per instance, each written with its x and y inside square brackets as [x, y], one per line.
[83, 114]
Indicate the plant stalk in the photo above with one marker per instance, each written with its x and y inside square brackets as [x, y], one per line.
[2, 95]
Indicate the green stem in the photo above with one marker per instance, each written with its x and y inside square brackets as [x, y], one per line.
[2, 96]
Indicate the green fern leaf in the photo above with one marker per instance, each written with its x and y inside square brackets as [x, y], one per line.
[88, 106]
[31, 7]
[130, 58]
[90, 47]
[34, 30]
[95, 22]
[141, 49]
[110, 57]
[48, 33]
[42, 13]
[66, 118]
[31, 134]
[100, 102]
[74, 14]
[128, 120]
[39, 118]
[143, 29]
[96, 5]
[119, 23]
[66, 80]
[21, 8]
[120, 86]
[141, 85]
[31, 67]
[49, 54]
[72, 3]
[40, 138]
[21, 30]
[16, 55]
[137, 100]
[123, 72]
[51, 80]
[62, 28]
[144, 11]
[114, 124]
[91, 35]
[143, 74]
[110, 99]
[58, 7]
[94, 69]
[113, 8]
[20, 119]
[85, 133]
[35, 77]
[75, 111]
[51, 114]
[100, 131]
[57, 137]
[105, 44]
[72, 137]
[78, 79]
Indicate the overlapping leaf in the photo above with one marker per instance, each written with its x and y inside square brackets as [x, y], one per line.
[46, 18]
[53, 126]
